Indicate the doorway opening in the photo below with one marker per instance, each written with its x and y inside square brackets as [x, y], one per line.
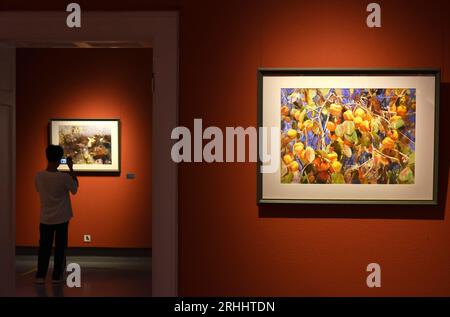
[110, 235]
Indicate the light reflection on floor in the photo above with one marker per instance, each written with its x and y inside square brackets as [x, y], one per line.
[100, 276]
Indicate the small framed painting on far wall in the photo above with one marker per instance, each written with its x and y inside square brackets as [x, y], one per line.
[93, 144]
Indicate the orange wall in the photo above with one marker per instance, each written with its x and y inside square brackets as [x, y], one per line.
[229, 246]
[87, 83]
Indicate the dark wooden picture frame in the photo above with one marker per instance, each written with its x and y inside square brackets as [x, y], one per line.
[266, 72]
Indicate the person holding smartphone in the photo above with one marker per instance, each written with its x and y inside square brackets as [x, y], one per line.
[54, 190]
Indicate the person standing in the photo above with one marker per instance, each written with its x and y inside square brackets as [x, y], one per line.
[54, 190]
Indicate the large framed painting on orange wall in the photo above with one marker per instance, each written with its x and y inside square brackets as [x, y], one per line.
[350, 135]
[93, 144]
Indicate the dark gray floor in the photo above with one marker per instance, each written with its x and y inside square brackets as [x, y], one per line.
[100, 276]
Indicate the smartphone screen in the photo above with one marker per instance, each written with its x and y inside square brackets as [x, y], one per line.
[63, 160]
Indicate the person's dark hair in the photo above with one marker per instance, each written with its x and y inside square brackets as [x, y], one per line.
[54, 153]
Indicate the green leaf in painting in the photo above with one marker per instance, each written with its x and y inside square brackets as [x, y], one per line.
[406, 175]
[339, 130]
[352, 137]
[397, 124]
[337, 178]
[412, 159]
[376, 139]
[365, 139]
[349, 127]
[287, 179]
[375, 123]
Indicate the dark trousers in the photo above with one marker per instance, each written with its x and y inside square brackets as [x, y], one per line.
[48, 233]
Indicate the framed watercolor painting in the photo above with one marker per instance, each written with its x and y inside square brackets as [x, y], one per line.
[94, 145]
[364, 136]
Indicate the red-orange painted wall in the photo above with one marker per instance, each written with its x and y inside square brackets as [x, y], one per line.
[87, 83]
[227, 245]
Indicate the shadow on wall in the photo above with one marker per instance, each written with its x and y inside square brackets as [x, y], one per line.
[380, 211]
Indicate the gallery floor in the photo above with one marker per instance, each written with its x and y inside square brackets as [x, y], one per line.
[100, 276]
